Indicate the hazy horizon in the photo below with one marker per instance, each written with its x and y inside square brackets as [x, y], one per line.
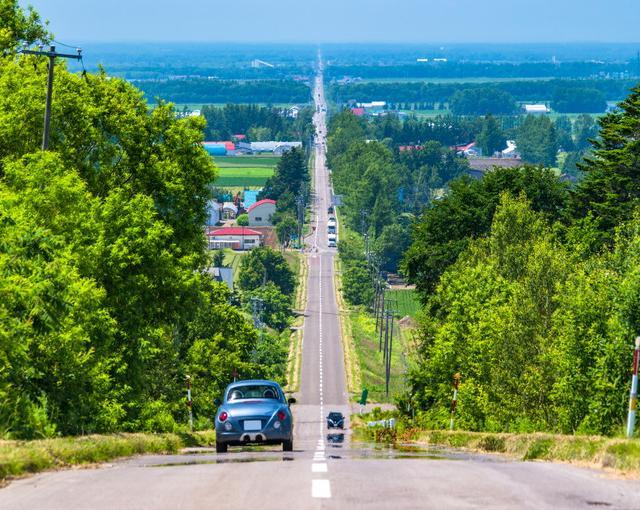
[333, 21]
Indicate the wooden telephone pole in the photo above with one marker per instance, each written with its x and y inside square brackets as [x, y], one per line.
[52, 54]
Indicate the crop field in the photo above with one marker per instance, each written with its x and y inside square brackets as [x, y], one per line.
[405, 301]
[244, 171]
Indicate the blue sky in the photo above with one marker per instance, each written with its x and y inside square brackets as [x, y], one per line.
[343, 20]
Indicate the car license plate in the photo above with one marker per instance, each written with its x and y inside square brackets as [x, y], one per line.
[252, 425]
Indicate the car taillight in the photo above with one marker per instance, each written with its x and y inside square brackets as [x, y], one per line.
[281, 415]
[223, 416]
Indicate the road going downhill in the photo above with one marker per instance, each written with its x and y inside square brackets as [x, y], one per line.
[321, 473]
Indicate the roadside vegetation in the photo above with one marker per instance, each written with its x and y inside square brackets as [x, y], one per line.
[611, 453]
[106, 306]
[22, 457]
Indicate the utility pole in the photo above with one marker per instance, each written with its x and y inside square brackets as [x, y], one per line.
[256, 310]
[52, 54]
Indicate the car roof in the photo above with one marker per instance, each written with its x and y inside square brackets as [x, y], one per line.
[248, 382]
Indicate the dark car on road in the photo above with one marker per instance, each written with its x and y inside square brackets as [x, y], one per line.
[330, 209]
[335, 420]
[254, 411]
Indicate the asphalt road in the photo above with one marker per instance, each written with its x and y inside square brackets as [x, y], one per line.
[321, 472]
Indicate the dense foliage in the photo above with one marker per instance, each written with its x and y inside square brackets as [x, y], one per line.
[482, 101]
[105, 305]
[529, 91]
[257, 123]
[537, 308]
[202, 90]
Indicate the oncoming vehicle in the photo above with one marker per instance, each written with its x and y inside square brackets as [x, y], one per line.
[332, 241]
[335, 420]
[254, 411]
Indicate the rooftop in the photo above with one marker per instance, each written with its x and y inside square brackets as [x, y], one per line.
[261, 202]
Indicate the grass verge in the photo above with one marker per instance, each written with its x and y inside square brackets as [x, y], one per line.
[294, 360]
[21, 457]
[618, 454]
[351, 364]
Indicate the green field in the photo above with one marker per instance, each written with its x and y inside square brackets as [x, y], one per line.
[244, 171]
[405, 301]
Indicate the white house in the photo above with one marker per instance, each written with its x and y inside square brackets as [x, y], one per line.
[261, 212]
[236, 238]
[511, 151]
[536, 109]
[229, 210]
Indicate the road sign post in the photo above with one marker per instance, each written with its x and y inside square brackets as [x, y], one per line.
[363, 399]
[633, 394]
[454, 402]
[189, 403]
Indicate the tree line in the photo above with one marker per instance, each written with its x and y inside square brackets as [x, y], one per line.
[529, 289]
[204, 90]
[257, 123]
[454, 69]
[576, 96]
[106, 305]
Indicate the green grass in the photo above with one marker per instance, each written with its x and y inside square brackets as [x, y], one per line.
[19, 457]
[405, 301]
[620, 454]
[244, 171]
[232, 259]
[372, 372]
[243, 176]
[245, 161]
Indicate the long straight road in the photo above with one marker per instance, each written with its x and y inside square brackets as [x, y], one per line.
[320, 474]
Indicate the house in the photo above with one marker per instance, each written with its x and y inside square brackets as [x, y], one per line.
[222, 275]
[469, 149]
[535, 109]
[511, 151]
[358, 112]
[261, 212]
[273, 147]
[236, 238]
[293, 112]
[214, 212]
[229, 211]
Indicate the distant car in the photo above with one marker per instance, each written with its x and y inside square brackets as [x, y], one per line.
[335, 420]
[332, 241]
[330, 209]
[254, 411]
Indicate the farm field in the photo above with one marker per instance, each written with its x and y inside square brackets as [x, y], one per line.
[405, 301]
[244, 171]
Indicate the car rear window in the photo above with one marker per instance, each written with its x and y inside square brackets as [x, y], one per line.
[252, 391]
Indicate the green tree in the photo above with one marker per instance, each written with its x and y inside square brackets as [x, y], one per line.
[275, 306]
[491, 138]
[611, 186]
[18, 26]
[537, 141]
[263, 265]
[243, 220]
[446, 228]
[286, 227]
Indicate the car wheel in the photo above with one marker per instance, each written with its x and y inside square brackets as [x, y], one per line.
[221, 447]
[287, 446]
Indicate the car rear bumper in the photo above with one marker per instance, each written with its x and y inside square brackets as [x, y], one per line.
[257, 437]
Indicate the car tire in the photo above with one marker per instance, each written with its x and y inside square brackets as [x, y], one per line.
[221, 447]
[287, 446]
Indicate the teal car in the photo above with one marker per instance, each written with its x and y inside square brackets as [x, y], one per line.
[254, 412]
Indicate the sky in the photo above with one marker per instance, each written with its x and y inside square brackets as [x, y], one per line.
[316, 21]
